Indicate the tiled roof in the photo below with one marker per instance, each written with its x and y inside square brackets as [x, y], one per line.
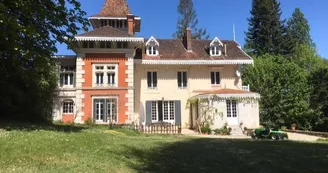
[173, 49]
[114, 8]
[105, 31]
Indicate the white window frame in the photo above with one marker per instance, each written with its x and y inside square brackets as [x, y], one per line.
[105, 107]
[63, 76]
[68, 107]
[116, 109]
[215, 84]
[106, 70]
[183, 86]
[215, 50]
[152, 46]
[170, 110]
[154, 113]
[231, 110]
[152, 87]
[152, 50]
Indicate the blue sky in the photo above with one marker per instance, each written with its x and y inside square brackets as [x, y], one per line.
[217, 16]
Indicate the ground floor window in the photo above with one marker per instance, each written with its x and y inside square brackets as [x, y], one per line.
[68, 107]
[105, 109]
[163, 111]
[231, 108]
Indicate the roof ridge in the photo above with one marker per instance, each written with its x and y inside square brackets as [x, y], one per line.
[114, 8]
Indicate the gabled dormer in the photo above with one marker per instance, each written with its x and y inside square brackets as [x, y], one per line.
[152, 47]
[216, 47]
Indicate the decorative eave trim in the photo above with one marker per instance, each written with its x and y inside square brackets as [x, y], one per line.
[63, 56]
[193, 62]
[216, 39]
[117, 18]
[152, 39]
[229, 96]
[127, 39]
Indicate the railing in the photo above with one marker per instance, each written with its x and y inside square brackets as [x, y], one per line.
[159, 128]
[246, 88]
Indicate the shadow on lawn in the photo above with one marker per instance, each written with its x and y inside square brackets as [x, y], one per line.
[44, 126]
[222, 155]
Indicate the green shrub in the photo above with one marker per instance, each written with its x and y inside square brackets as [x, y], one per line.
[58, 122]
[206, 129]
[88, 122]
[223, 131]
[322, 126]
[283, 128]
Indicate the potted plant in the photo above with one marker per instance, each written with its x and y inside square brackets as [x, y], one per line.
[293, 126]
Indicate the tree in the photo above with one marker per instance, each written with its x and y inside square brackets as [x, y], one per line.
[298, 29]
[266, 32]
[188, 18]
[284, 90]
[29, 32]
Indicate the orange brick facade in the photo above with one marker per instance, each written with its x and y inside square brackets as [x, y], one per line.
[119, 91]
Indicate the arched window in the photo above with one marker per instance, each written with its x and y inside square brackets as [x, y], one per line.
[68, 107]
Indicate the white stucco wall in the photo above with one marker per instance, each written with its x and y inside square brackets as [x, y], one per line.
[198, 79]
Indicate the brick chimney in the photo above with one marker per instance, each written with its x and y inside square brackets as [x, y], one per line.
[187, 40]
[130, 18]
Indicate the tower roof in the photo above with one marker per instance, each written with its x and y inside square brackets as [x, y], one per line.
[114, 8]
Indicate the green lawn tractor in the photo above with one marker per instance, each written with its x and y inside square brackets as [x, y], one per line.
[267, 133]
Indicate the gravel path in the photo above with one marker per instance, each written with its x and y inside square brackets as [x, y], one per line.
[302, 137]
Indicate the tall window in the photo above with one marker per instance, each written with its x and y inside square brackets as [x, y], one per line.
[152, 50]
[68, 107]
[112, 110]
[154, 110]
[106, 75]
[215, 78]
[231, 108]
[152, 80]
[122, 45]
[99, 109]
[66, 79]
[182, 79]
[105, 44]
[168, 110]
[215, 51]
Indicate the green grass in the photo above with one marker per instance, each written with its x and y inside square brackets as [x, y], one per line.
[96, 149]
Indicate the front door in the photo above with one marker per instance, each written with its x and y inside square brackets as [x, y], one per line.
[232, 115]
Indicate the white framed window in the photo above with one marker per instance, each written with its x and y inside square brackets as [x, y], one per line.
[154, 111]
[182, 79]
[105, 109]
[231, 109]
[99, 109]
[66, 79]
[152, 79]
[68, 107]
[106, 75]
[112, 109]
[168, 111]
[152, 50]
[215, 51]
[215, 78]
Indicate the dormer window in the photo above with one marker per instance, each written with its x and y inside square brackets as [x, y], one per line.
[215, 47]
[152, 47]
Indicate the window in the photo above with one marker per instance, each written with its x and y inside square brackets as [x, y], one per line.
[154, 108]
[99, 109]
[152, 50]
[106, 74]
[215, 78]
[105, 44]
[99, 78]
[182, 79]
[112, 110]
[152, 80]
[168, 111]
[105, 109]
[215, 51]
[231, 108]
[66, 79]
[68, 107]
[90, 44]
[122, 45]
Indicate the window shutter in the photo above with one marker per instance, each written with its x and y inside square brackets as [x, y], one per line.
[74, 79]
[94, 109]
[178, 112]
[212, 78]
[148, 112]
[160, 110]
[217, 77]
[179, 79]
[155, 79]
[105, 101]
[185, 81]
[149, 79]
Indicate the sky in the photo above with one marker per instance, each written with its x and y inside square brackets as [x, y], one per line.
[159, 18]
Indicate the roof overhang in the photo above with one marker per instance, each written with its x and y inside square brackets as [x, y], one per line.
[194, 62]
[230, 96]
[112, 18]
[126, 39]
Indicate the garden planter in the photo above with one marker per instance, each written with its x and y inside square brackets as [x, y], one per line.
[293, 128]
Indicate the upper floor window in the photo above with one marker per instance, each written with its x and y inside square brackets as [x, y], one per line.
[152, 79]
[182, 79]
[152, 47]
[215, 51]
[88, 44]
[122, 45]
[215, 78]
[105, 44]
[67, 79]
[106, 75]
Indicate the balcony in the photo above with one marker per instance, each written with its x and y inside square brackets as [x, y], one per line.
[246, 88]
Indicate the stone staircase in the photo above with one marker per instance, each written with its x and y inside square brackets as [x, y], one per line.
[236, 131]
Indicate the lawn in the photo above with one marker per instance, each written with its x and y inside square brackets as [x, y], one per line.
[96, 149]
